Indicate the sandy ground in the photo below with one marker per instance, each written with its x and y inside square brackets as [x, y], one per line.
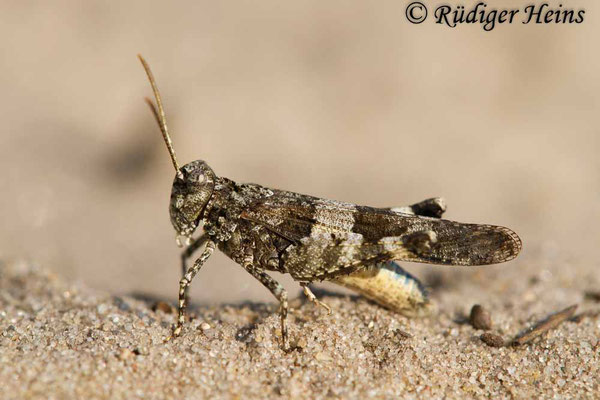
[62, 340]
[341, 100]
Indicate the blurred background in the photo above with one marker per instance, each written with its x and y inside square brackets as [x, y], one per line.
[342, 100]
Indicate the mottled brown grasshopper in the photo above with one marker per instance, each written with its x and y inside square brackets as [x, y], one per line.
[315, 239]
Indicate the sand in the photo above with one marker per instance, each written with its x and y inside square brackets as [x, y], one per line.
[63, 340]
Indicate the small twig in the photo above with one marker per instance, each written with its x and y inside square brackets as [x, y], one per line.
[402, 334]
[544, 325]
[592, 295]
[585, 314]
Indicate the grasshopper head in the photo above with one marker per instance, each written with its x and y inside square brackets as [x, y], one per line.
[194, 182]
[192, 189]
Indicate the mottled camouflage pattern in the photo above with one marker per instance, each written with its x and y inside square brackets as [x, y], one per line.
[315, 239]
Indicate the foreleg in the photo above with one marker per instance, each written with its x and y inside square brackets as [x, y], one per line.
[187, 254]
[186, 280]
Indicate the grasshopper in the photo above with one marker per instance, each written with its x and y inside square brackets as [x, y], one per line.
[315, 239]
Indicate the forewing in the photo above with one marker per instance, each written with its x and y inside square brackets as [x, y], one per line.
[306, 220]
[327, 255]
[295, 216]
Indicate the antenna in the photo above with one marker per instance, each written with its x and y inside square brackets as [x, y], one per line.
[159, 113]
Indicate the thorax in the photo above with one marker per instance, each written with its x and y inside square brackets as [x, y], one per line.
[237, 238]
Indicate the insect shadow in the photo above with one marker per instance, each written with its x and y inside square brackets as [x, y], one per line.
[201, 310]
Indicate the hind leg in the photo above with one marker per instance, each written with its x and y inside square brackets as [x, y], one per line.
[311, 296]
[434, 207]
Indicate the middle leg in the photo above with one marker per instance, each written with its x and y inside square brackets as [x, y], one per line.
[280, 294]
